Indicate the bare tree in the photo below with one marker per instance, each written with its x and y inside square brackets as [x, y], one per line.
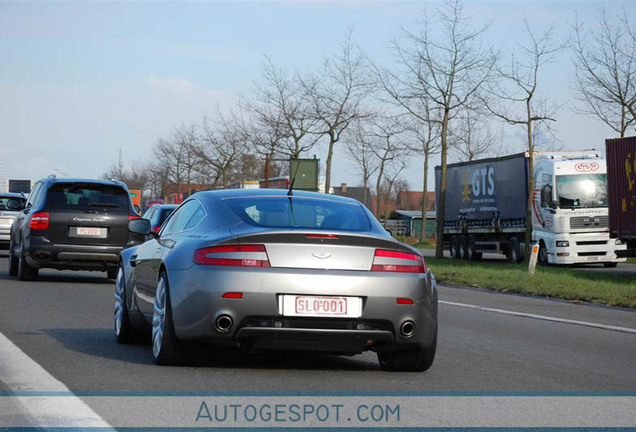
[605, 61]
[423, 138]
[265, 129]
[337, 93]
[175, 158]
[448, 69]
[135, 177]
[221, 145]
[284, 105]
[471, 136]
[359, 147]
[391, 183]
[389, 150]
[517, 102]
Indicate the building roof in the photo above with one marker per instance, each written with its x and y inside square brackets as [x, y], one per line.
[355, 192]
[414, 214]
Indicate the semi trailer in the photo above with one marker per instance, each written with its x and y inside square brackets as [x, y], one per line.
[621, 185]
[486, 203]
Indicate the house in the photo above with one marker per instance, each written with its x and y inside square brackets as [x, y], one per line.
[356, 193]
[412, 222]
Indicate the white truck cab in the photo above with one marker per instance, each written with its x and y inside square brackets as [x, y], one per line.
[570, 217]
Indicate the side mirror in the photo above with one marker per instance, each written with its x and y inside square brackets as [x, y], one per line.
[139, 226]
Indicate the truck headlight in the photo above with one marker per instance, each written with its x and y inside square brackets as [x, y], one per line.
[562, 243]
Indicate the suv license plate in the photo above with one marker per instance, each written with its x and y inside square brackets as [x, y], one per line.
[90, 232]
[322, 306]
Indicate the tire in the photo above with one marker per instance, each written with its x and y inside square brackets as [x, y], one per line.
[412, 360]
[26, 272]
[514, 251]
[124, 330]
[471, 250]
[543, 255]
[610, 264]
[166, 349]
[454, 248]
[462, 247]
[13, 262]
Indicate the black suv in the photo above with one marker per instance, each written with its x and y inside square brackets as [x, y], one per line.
[72, 224]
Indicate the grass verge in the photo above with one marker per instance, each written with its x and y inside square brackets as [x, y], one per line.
[557, 282]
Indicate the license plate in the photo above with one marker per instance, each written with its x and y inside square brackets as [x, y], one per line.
[90, 232]
[322, 306]
[5, 221]
[592, 258]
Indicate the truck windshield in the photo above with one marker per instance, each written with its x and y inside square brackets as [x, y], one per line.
[582, 190]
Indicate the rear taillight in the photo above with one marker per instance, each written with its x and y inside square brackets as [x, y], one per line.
[402, 262]
[131, 217]
[39, 221]
[235, 255]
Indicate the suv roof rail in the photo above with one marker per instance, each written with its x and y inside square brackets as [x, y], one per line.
[51, 176]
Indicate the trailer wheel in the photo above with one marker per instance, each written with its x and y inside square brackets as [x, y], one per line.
[471, 249]
[462, 247]
[514, 251]
[454, 247]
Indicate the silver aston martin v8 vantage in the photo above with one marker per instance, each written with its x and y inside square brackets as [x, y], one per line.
[269, 270]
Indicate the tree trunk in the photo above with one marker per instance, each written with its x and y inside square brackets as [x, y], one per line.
[329, 157]
[528, 238]
[424, 199]
[441, 209]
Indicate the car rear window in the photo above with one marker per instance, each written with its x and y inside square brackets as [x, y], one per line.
[81, 197]
[4, 203]
[299, 212]
[164, 213]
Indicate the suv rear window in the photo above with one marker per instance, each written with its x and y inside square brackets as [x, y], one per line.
[80, 197]
[299, 212]
[6, 205]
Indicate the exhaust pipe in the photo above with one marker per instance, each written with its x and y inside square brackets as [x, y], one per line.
[223, 323]
[407, 329]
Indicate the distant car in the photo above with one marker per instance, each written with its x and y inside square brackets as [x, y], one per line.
[261, 270]
[157, 214]
[74, 224]
[10, 206]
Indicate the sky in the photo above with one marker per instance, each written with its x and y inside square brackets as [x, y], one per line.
[82, 81]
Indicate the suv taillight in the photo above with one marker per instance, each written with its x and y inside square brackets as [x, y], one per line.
[392, 261]
[233, 255]
[39, 221]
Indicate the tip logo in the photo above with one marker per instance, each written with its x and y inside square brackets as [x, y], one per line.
[586, 166]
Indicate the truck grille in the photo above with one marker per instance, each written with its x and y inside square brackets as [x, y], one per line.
[578, 222]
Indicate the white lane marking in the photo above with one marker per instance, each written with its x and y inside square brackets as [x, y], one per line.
[543, 317]
[22, 374]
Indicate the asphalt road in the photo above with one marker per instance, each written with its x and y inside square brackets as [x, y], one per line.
[64, 322]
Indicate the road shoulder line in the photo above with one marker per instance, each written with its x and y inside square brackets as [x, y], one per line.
[542, 317]
[22, 374]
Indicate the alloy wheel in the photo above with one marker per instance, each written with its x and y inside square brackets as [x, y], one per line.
[159, 317]
[119, 301]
